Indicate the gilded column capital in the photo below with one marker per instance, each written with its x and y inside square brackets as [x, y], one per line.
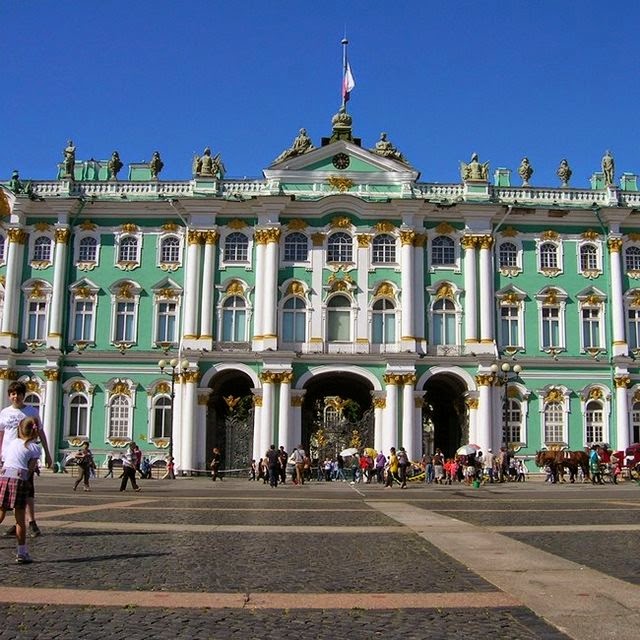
[270, 377]
[8, 374]
[190, 376]
[614, 244]
[272, 235]
[211, 237]
[485, 242]
[364, 240]
[420, 240]
[62, 235]
[260, 236]
[379, 403]
[18, 236]
[203, 399]
[51, 375]
[622, 381]
[472, 403]
[393, 378]
[469, 242]
[296, 401]
[194, 237]
[485, 379]
[407, 236]
[409, 379]
[286, 377]
[257, 401]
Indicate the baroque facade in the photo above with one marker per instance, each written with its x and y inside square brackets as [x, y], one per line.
[339, 279]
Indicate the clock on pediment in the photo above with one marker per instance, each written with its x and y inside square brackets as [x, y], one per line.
[341, 161]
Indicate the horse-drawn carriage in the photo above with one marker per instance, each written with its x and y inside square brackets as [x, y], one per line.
[558, 462]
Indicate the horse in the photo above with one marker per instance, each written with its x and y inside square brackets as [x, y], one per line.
[558, 461]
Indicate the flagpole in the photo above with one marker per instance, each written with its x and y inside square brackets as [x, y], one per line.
[344, 43]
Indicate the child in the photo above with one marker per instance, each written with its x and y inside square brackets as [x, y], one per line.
[20, 459]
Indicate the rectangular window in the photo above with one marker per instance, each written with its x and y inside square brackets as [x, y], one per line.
[78, 420]
[125, 322]
[591, 329]
[633, 328]
[550, 327]
[339, 326]
[509, 326]
[83, 321]
[166, 328]
[37, 321]
[553, 423]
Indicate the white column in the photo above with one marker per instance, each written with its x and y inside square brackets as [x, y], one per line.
[620, 347]
[362, 340]
[58, 297]
[284, 410]
[208, 268]
[176, 425]
[295, 433]
[257, 425]
[485, 426]
[472, 404]
[470, 291]
[192, 287]
[390, 429]
[259, 297]
[9, 325]
[201, 429]
[316, 338]
[407, 280]
[419, 324]
[189, 398]
[409, 436]
[487, 302]
[266, 418]
[418, 404]
[623, 431]
[50, 416]
[270, 301]
[379, 404]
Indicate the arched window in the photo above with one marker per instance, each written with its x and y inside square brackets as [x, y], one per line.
[632, 258]
[294, 320]
[548, 256]
[383, 325]
[588, 257]
[236, 247]
[119, 417]
[79, 417]
[162, 417]
[444, 322]
[384, 249]
[170, 250]
[234, 319]
[594, 422]
[513, 426]
[32, 400]
[340, 248]
[553, 422]
[635, 421]
[42, 249]
[443, 251]
[508, 255]
[296, 247]
[339, 319]
[128, 250]
[88, 249]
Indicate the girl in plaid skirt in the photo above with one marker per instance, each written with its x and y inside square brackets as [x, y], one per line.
[20, 460]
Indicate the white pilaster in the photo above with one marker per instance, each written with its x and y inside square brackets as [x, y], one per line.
[362, 295]
[470, 291]
[189, 398]
[295, 433]
[257, 425]
[270, 301]
[50, 416]
[409, 435]
[176, 425]
[266, 418]
[208, 268]
[316, 339]
[390, 430]
[192, 288]
[623, 430]
[54, 337]
[259, 297]
[485, 423]
[472, 404]
[284, 410]
[419, 325]
[201, 430]
[487, 301]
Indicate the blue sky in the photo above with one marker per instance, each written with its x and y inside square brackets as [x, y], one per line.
[541, 78]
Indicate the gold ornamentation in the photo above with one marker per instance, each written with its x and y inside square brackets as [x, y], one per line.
[340, 222]
[339, 183]
[593, 300]
[125, 291]
[385, 290]
[235, 288]
[42, 226]
[364, 240]
[509, 232]
[469, 242]
[295, 288]
[77, 387]
[87, 225]
[203, 399]
[192, 376]
[633, 237]
[257, 401]
[163, 387]
[33, 385]
[37, 290]
[169, 227]
[51, 375]
[62, 235]
[194, 237]
[622, 381]
[296, 225]
[551, 297]
[120, 388]
[19, 236]
[160, 443]
[167, 293]
[82, 292]
[590, 234]
[236, 223]
[511, 298]
[379, 403]
[231, 402]
[296, 401]
[211, 236]
[8, 374]
[317, 239]
[553, 395]
[635, 299]
[384, 226]
[485, 242]
[420, 240]
[260, 236]
[485, 379]
[129, 227]
[5, 209]
[614, 244]
[595, 394]
[444, 228]
[472, 403]
[272, 235]
[407, 237]
[270, 377]
[445, 290]
[550, 234]
[286, 377]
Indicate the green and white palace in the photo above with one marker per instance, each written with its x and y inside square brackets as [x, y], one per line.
[337, 301]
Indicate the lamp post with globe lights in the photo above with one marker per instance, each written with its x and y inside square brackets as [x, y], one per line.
[177, 367]
[503, 373]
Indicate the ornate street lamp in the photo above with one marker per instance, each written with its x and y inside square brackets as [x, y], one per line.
[503, 372]
[177, 367]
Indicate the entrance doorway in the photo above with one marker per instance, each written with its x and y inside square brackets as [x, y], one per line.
[444, 416]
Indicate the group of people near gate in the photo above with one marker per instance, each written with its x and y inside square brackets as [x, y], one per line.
[276, 464]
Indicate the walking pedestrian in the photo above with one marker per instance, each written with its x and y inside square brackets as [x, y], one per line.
[109, 466]
[10, 419]
[84, 460]
[215, 464]
[403, 463]
[273, 463]
[392, 468]
[300, 457]
[129, 468]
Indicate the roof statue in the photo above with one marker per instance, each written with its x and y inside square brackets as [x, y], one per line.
[155, 165]
[564, 172]
[474, 170]
[114, 165]
[525, 171]
[385, 149]
[17, 186]
[206, 166]
[69, 160]
[301, 144]
[608, 168]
